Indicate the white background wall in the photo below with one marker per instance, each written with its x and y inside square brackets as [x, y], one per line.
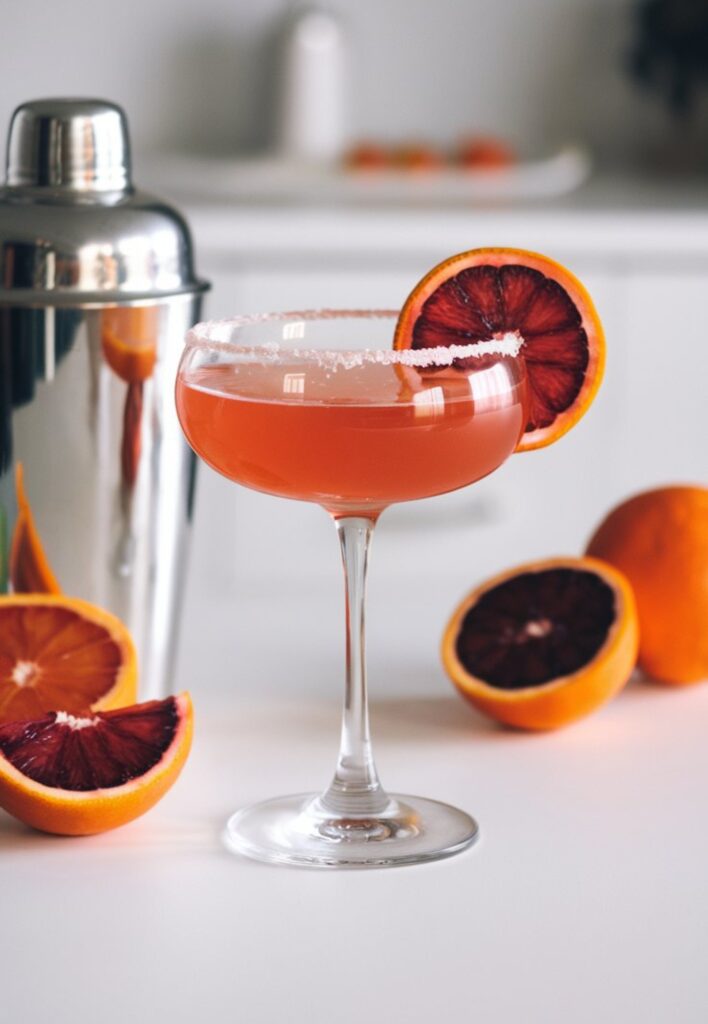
[203, 74]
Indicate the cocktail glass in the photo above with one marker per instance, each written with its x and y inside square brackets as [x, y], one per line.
[317, 406]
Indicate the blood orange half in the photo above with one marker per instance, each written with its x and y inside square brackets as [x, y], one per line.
[78, 775]
[61, 652]
[544, 644]
[486, 294]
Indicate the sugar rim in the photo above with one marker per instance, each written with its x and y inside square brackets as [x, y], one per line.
[206, 335]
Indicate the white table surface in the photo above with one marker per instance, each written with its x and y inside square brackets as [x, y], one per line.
[586, 898]
[584, 901]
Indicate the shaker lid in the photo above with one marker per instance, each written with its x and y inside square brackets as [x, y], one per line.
[79, 145]
[73, 229]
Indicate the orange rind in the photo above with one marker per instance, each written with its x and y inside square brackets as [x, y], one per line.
[659, 540]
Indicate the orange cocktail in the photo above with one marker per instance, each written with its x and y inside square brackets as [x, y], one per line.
[356, 438]
[320, 407]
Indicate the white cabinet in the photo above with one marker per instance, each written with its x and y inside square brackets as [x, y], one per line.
[664, 431]
[646, 426]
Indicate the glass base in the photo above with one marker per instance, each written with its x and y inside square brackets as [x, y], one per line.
[300, 830]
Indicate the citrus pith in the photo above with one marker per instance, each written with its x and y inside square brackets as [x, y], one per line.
[542, 645]
[81, 775]
[486, 294]
[62, 652]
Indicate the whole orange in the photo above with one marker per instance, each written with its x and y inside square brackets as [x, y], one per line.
[659, 540]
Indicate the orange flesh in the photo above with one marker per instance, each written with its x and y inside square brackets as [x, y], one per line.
[102, 750]
[361, 442]
[560, 701]
[51, 657]
[61, 653]
[536, 627]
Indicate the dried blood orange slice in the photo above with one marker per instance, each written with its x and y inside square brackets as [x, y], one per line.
[488, 294]
[77, 775]
[60, 652]
[542, 645]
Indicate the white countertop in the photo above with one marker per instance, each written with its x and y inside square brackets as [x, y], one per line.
[584, 900]
[265, 236]
[612, 216]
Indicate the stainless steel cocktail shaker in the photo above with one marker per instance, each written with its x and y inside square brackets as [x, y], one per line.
[97, 290]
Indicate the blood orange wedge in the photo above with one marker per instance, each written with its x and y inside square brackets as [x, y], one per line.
[488, 294]
[60, 652]
[542, 645]
[30, 571]
[77, 775]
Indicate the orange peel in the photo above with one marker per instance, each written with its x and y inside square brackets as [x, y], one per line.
[659, 540]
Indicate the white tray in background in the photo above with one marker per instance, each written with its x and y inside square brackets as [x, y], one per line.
[273, 179]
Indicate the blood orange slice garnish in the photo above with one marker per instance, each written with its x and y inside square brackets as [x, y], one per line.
[77, 775]
[488, 294]
[60, 652]
[30, 571]
[544, 644]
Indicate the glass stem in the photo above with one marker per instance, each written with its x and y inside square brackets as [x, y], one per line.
[355, 790]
